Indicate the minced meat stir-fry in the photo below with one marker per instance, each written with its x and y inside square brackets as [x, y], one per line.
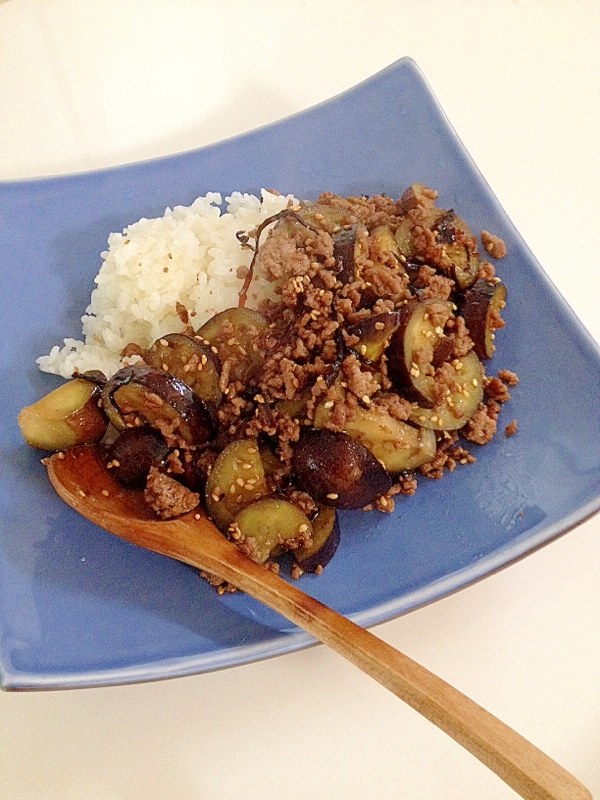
[363, 370]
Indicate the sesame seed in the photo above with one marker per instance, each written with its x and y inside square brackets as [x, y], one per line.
[164, 342]
[105, 492]
[475, 382]
[197, 516]
[80, 492]
[165, 367]
[328, 404]
[332, 496]
[240, 481]
[216, 496]
[303, 528]
[366, 399]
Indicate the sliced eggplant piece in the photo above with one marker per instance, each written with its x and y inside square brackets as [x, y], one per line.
[403, 238]
[397, 445]
[460, 402]
[295, 409]
[189, 360]
[65, 417]
[374, 333]
[141, 394]
[320, 216]
[337, 470]
[460, 247]
[412, 347]
[383, 240]
[325, 541]
[132, 454]
[236, 334]
[345, 252]
[236, 479]
[481, 312]
[269, 527]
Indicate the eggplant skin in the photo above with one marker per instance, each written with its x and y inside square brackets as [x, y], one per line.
[326, 538]
[338, 470]
[481, 313]
[132, 454]
[181, 408]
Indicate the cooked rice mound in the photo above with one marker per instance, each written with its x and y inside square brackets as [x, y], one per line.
[190, 256]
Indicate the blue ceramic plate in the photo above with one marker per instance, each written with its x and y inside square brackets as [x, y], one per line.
[79, 607]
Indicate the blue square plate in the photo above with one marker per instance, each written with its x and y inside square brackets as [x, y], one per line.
[79, 607]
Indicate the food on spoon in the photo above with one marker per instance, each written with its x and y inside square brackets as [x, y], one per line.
[67, 416]
[133, 453]
[316, 356]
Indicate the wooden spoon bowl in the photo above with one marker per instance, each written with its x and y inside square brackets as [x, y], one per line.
[83, 482]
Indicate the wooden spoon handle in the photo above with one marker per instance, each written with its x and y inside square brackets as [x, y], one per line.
[87, 487]
[529, 771]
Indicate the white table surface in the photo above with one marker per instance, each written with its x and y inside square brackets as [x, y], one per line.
[93, 84]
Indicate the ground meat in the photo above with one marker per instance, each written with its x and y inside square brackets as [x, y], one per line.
[511, 428]
[360, 382]
[496, 390]
[493, 244]
[280, 257]
[459, 334]
[167, 496]
[482, 426]
[508, 377]
[439, 287]
[448, 455]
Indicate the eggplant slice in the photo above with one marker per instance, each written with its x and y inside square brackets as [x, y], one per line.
[337, 470]
[138, 395]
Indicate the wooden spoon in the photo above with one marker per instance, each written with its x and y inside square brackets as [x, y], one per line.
[82, 481]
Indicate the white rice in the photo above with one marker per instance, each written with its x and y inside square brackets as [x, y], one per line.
[190, 256]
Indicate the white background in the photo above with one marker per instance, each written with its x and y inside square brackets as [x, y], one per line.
[93, 84]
